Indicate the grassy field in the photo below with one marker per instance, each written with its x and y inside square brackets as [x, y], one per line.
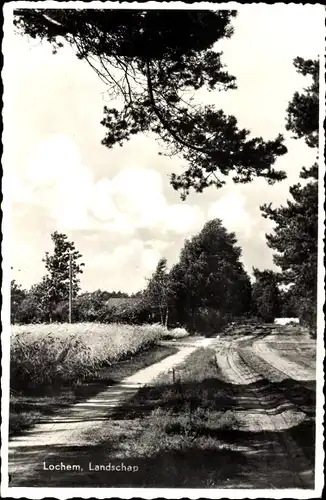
[53, 366]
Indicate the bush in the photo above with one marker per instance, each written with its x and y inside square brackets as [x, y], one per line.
[209, 321]
[176, 333]
[131, 311]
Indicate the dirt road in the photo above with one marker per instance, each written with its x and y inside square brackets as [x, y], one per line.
[274, 382]
[273, 390]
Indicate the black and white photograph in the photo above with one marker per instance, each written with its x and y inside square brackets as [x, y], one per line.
[163, 274]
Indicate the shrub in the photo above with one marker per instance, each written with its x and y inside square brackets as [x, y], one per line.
[176, 333]
[208, 320]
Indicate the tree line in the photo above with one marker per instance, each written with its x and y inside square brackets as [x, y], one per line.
[209, 279]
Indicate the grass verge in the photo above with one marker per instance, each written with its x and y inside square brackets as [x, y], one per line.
[27, 408]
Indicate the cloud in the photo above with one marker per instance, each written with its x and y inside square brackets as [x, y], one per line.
[57, 184]
[137, 194]
[183, 219]
[231, 210]
[136, 258]
[56, 179]
[19, 192]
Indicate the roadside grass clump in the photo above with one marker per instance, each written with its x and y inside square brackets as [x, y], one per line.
[175, 333]
[165, 430]
[22, 421]
[37, 361]
[62, 354]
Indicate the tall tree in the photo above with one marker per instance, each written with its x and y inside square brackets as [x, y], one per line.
[210, 274]
[266, 295]
[153, 67]
[295, 235]
[156, 293]
[54, 287]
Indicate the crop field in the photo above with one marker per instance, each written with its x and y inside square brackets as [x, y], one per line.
[68, 353]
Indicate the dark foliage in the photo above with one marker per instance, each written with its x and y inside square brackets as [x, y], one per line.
[210, 276]
[154, 68]
[266, 296]
[295, 236]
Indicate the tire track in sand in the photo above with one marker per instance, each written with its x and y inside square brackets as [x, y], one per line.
[237, 371]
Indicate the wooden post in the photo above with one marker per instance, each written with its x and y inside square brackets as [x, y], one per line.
[70, 289]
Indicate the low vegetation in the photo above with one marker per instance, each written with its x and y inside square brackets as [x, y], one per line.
[44, 355]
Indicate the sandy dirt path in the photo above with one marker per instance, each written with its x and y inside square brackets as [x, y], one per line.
[291, 368]
[81, 424]
[255, 369]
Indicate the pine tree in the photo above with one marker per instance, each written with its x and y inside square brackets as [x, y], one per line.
[295, 235]
[152, 66]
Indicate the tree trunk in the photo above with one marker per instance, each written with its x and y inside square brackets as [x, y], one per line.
[166, 317]
[193, 314]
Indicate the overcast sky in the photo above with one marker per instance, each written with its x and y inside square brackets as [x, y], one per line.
[117, 205]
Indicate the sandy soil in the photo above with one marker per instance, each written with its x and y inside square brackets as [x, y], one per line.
[282, 359]
[250, 363]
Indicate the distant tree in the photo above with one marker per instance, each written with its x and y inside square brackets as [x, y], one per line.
[89, 306]
[54, 287]
[29, 311]
[114, 294]
[17, 296]
[157, 292]
[153, 67]
[92, 306]
[33, 308]
[210, 274]
[266, 295]
[294, 238]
